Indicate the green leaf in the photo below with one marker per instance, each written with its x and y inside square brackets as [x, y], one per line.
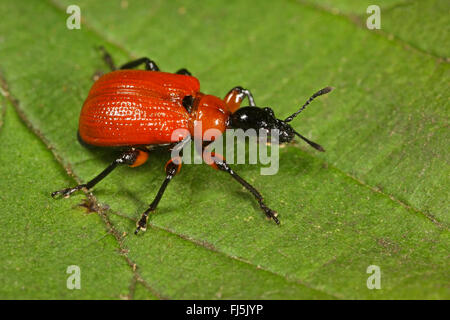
[41, 237]
[2, 114]
[378, 196]
[418, 25]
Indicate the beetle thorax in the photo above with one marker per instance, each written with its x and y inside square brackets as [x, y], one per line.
[209, 117]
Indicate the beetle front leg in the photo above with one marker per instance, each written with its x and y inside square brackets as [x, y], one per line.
[235, 96]
[171, 169]
[131, 157]
[218, 162]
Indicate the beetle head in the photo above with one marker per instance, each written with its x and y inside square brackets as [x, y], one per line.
[264, 118]
[261, 119]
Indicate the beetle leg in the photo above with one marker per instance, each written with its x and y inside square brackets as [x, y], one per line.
[188, 103]
[108, 58]
[171, 169]
[235, 96]
[149, 64]
[130, 157]
[219, 163]
[184, 72]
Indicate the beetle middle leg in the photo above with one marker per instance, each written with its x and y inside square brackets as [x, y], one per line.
[149, 64]
[184, 71]
[133, 158]
[172, 168]
[218, 162]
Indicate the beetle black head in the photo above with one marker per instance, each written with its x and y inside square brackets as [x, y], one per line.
[264, 118]
[261, 118]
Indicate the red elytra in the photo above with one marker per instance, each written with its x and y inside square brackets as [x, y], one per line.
[138, 109]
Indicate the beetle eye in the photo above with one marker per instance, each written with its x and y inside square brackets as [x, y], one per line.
[269, 111]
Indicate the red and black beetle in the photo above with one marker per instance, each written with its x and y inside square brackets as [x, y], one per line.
[139, 109]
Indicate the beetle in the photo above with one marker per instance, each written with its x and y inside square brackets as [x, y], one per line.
[139, 109]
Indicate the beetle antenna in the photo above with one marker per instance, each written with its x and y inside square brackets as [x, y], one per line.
[315, 95]
[311, 143]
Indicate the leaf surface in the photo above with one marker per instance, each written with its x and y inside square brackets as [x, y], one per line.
[378, 196]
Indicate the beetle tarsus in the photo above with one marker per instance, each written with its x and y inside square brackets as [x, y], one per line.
[271, 214]
[67, 192]
[141, 224]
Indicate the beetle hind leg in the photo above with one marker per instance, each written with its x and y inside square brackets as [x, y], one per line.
[132, 158]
